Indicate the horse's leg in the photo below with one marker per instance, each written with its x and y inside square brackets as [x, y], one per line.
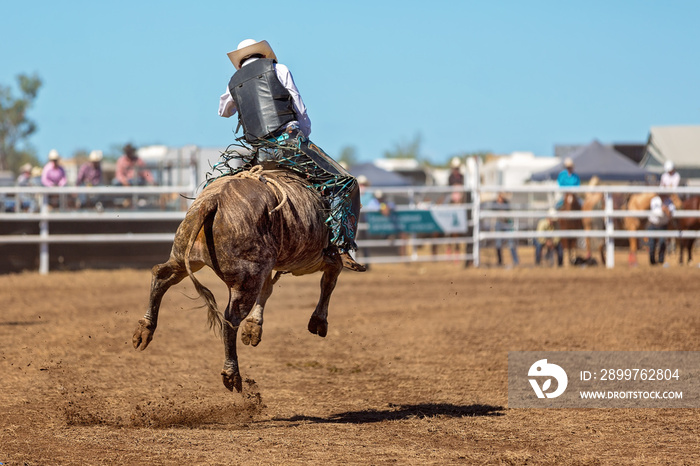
[318, 324]
[632, 224]
[164, 276]
[251, 333]
[587, 226]
[691, 241]
[569, 242]
[632, 259]
[588, 248]
[239, 305]
[602, 253]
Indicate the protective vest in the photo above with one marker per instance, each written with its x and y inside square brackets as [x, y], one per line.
[264, 104]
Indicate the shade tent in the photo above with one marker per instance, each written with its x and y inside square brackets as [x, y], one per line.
[598, 160]
[378, 176]
[679, 144]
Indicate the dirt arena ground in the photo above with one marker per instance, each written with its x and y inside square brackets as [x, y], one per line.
[413, 370]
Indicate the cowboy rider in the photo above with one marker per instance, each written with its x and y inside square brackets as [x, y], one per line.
[272, 114]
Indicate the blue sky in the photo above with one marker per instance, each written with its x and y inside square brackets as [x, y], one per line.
[465, 76]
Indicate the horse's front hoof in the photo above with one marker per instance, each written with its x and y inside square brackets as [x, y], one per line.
[232, 381]
[143, 334]
[318, 326]
[251, 334]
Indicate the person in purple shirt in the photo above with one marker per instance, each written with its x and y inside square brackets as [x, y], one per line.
[53, 173]
[90, 173]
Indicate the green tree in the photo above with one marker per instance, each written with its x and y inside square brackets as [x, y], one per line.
[348, 156]
[15, 125]
[481, 154]
[408, 150]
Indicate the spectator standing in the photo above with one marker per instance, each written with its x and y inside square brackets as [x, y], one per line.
[549, 245]
[661, 213]
[505, 224]
[131, 169]
[567, 178]
[365, 195]
[670, 178]
[456, 179]
[53, 173]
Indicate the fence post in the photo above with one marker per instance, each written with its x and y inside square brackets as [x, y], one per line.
[609, 230]
[476, 210]
[44, 233]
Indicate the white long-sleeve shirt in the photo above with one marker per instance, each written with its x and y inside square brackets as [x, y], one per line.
[227, 107]
[669, 180]
[658, 217]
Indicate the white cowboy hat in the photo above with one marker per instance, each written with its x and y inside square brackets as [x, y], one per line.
[568, 162]
[362, 179]
[455, 162]
[53, 155]
[668, 165]
[95, 156]
[27, 167]
[250, 47]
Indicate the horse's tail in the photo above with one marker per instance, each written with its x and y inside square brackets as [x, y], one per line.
[207, 210]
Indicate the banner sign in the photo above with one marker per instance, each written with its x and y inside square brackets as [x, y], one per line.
[444, 220]
[604, 379]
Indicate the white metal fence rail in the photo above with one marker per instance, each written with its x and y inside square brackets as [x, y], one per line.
[414, 198]
[607, 214]
[45, 215]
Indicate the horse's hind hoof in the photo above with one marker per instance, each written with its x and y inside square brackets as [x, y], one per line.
[318, 326]
[251, 334]
[232, 381]
[143, 334]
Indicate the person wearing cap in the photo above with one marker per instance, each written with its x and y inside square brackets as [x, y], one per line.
[670, 178]
[90, 173]
[53, 173]
[131, 169]
[273, 115]
[549, 245]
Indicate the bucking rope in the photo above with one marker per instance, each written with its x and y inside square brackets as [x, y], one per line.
[256, 172]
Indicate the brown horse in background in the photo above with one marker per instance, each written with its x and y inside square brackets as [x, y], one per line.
[640, 201]
[688, 223]
[593, 201]
[571, 204]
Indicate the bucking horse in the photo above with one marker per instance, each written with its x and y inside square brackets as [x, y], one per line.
[250, 229]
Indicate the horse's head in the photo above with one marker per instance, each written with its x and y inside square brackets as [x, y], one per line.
[571, 202]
